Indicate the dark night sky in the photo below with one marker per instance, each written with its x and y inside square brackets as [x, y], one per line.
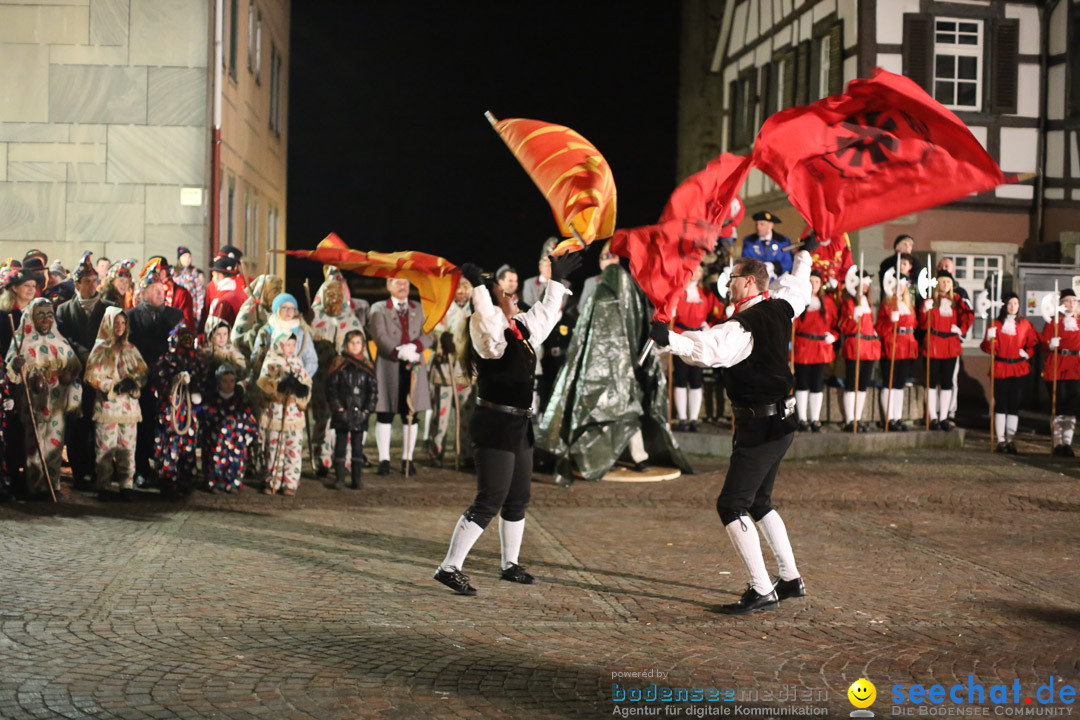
[388, 145]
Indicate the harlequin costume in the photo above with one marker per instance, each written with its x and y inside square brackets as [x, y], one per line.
[1060, 340]
[52, 373]
[178, 384]
[255, 312]
[7, 411]
[191, 279]
[117, 373]
[230, 434]
[814, 333]
[286, 386]
[1013, 339]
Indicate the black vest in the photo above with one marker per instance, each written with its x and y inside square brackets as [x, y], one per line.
[765, 376]
[508, 380]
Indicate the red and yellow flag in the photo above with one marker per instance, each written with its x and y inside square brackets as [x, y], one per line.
[571, 173]
[436, 278]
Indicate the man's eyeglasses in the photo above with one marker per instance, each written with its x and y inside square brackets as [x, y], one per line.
[736, 277]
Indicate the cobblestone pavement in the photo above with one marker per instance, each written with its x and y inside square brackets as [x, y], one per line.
[922, 567]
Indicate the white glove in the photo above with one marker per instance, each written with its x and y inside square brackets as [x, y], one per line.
[955, 330]
[991, 333]
[196, 399]
[1054, 343]
[1024, 354]
[830, 338]
[928, 305]
[9, 405]
[833, 283]
[184, 377]
[859, 311]
[408, 353]
[895, 316]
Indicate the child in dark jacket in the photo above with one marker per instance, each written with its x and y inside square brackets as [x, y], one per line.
[352, 392]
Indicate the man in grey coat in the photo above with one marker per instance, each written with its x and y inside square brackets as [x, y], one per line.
[396, 327]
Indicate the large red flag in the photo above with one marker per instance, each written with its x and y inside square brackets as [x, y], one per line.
[883, 149]
[663, 257]
[436, 278]
[571, 173]
[711, 193]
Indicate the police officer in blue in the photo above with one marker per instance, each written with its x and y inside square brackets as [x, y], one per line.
[767, 246]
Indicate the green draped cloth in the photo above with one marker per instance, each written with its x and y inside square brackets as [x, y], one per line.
[601, 397]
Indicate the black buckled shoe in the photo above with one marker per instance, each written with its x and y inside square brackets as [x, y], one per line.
[935, 425]
[384, 467]
[455, 580]
[750, 602]
[408, 468]
[803, 426]
[1001, 447]
[641, 466]
[815, 426]
[785, 589]
[516, 573]
[1010, 447]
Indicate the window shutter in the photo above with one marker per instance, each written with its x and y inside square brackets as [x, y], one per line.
[836, 59]
[1004, 66]
[815, 70]
[918, 49]
[733, 115]
[802, 74]
[751, 107]
[789, 79]
[768, 90]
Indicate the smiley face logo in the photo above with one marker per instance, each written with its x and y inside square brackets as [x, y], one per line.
[862, 693]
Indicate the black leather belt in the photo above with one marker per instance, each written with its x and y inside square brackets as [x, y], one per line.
[750, 412]
[864, 337]
[938, 333]
[1068, 352]
[905, 331]
[1010, 361]
[808, 336]
[686, 327]
[508, 409]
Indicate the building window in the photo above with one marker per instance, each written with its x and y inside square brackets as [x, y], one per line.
[743, 109]
[958, 51]
[277, 106]
[273, 85]
[234, 12]
[972, 272]
[258, 48]
[251, 37]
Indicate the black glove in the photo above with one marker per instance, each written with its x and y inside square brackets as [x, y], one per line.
[446, 343]
[126, 386]
[473, 274]
[778, 268]
[562, 266]
[810, 242]
[659, 333]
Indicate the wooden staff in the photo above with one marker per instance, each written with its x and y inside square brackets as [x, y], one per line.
[892, 355]
[989, 315]
[408, 429]
[858, 344]
[30, 409]
[1053, 392]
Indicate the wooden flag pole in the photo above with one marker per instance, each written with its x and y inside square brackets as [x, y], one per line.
[926, 340]
[892, 355]
[989, 317]
[858, 344]
[1053, 392]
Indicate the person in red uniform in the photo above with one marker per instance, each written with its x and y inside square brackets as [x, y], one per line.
[693, 312]
[861, 348]
[814, 333]
[1061, 340]
[945, 318]
[228, 295]
[896, 326]
[832, 258]
[175, 295]
[1014, 340]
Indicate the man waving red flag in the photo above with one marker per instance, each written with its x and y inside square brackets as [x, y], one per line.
[883, 149]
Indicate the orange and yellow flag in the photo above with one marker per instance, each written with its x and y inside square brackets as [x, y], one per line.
[436, 278]
[571, 173]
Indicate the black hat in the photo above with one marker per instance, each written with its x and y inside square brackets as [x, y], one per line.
[33, 263]
[182, 251]
[36, 254]
[943, 273]
[20, 277]
[1067, 292]
[767, 216]
[901, 238]
[225, 265]
[230, 251]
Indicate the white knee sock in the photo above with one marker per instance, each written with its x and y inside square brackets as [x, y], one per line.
[898, 404]
[382, 440]
[427, 423]
[744, 537]
[999, 426]
[943, 404]
[408, 441]
[775, 532]
[510, 540]
[860, 401]
[1068, 426]
[815, 406]
[637, 447]
[1056, 427]
[955, 376]
[694, 400]
[886, 409]
[466, 533]
[931, 401]
[1011, 421]
[680, 403]
[849, 406]
[802, 403]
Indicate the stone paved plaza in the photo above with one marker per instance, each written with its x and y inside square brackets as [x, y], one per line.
[924, 567]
